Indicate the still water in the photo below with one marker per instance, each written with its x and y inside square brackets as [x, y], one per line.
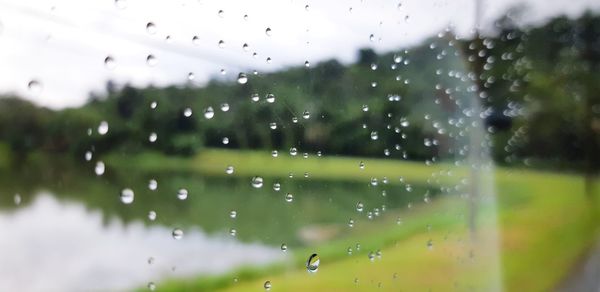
[72, 232]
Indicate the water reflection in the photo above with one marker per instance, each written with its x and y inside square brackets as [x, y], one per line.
[57, 245]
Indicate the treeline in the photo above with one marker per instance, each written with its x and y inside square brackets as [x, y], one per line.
[538, 88]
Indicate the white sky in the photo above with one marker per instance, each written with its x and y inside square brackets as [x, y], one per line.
[63, 43]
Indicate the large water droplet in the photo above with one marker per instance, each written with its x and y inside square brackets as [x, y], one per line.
[306, 115]
[152, 215]
[152, 137]
[187, 112]
[267, 285]
[103, 128]
[254, 97]
[99, 169]
[257, 182]
[88, 155]
[312, 264]
[360, 207]
[277, 187]
[293, 151]
[242, 78]
[374, 135]
[209, 113]
[152, 185]
[177, 233]
[289, 197]
[182, 194]
[273, 126]
[35, 87]
[151, 27]
[270, 98]
[229, 169]
[127, 196]
[109, 63]
[151, 60]
[233, 214]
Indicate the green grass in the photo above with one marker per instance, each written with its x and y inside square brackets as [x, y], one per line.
[545, 224]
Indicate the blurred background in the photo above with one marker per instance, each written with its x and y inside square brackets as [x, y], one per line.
[197, 145]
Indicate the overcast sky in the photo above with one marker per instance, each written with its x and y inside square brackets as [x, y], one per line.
[62, 44]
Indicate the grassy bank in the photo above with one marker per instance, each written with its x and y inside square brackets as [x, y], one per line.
[545, 223]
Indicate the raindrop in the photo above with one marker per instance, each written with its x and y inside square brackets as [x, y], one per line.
[182, 194]
[245, 47]
[151, 60]
[312, 264]
[371, 256]
[151, 286]
[153, 105]
[88, 155]
[374, 135]
[229, 170]
[270, 98]
[289, 197]
[195, 40]
[242, 78]
[306, 64]
[274, 153]
[284, 247]
[150, 260]
[109, 63]
[232, 232]
[277, 187]
[269, 60]
[371, 37]
[177, 233]
[187, 112]
[127, 196]
[257, 182]
[254, 97]
[306, 115]
[99, 169]
[151, 28]
[225, 141]
[351, 223]
[221, 13]
[365, 108]
[373, 66]
[233, 214]
[152, 215]
[273, 126]
[293, 151]
[430, 244]
[191, 76]
[224, 107]
[221, 44]
[121, 4]
[294, 120]
[267, 285]
[209, 113]
[361, 165]
[152, 138]
[360, 207]
[152, 185]
[103, 128]
[17, 199]
[268, 31]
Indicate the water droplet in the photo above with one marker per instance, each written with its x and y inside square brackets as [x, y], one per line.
[191, 76]
[151, 28]
[269, 60]
[221, 13]
[268, 31]
[351, 223]
[294, 120]
[306, 115]
[374, 135]
[257, 182]
[284, 247]
[153, 105]
[152, 137]
[430, 244]
[195, 40]
[229, 170]
[99, 169]
[373, 66]
[150, 260]
[152, 215]
[274, 153]
[103, 128]
[151, 286]
[17, 199]
[152, 185]
[225, 140]
[361, 165]
[245, 47]
[349, 250]
[109, 63]
[232, 232]
[289, 197]
[127, 196]
[267, 285]
[371, 37]
[182, 194]
[177, 233]
[306, 64]
[254, 97]
[221, 44]
[209, 113]
[360, 207]
[233, 214]
[312, 264]
[293, 151]
[273, 126]
[187, 112]
[371, 256]
[270, 98]
[374, 181]
[277, 187]
[365, 108]
[88, 155]
[242, 78]
[151, 60]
